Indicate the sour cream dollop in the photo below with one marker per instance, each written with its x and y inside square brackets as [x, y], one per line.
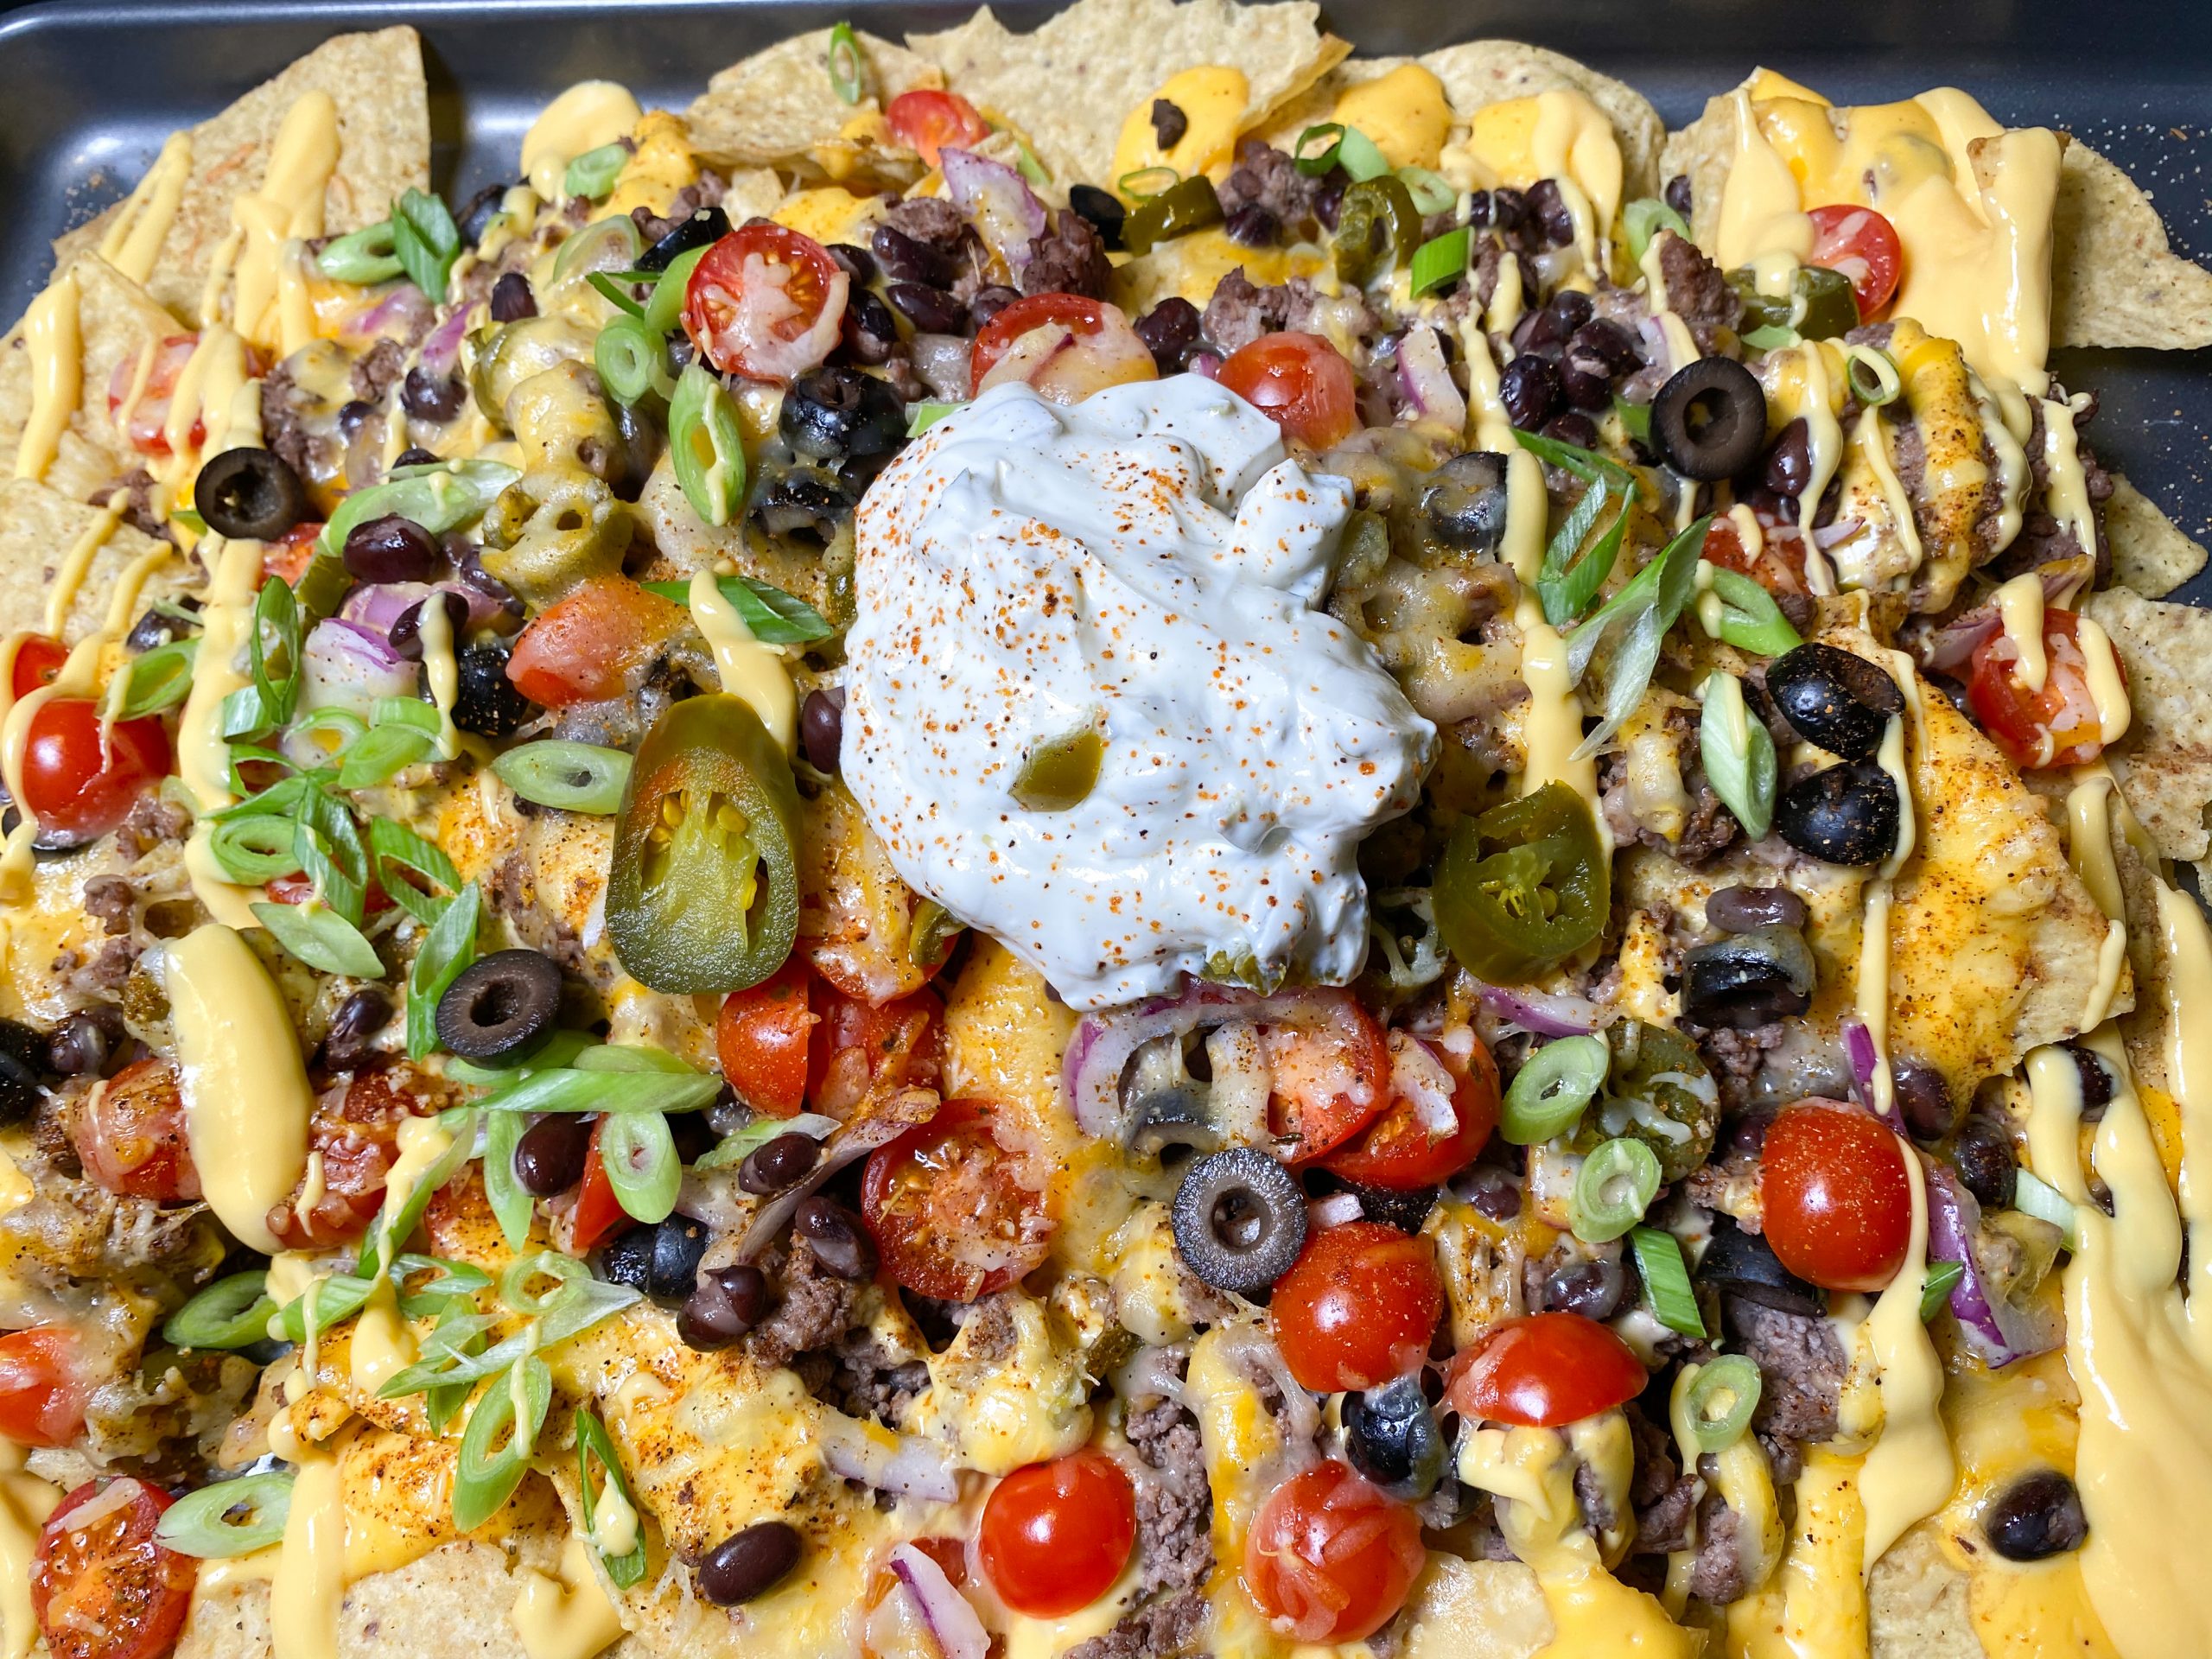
[1145, 565]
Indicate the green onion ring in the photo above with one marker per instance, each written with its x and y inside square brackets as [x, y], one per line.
[1548, 1093]
[199, 1523]
[1612, 1189]
[516, 1276]
[232, 1313]
[1721, 1400]
[571, 777]
[486, 1475]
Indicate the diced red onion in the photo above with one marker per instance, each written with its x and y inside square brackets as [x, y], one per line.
[1865, 1064]
[998, 199]
[912, 1467]
[1206, 363]
[349, 666]
[405, 312]
[1997, 1329]
[1548, 1013]
[1419, 1077]
[1828, 536]
[1424, 379]
[378, 605]
[443, 346]
[952, 1621]
[1950, 647]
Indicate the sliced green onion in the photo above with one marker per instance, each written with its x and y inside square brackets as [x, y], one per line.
[1739, 755]
[320, 938]
[1649, 605]
[495, 1447]
[1935, 1289]
[510, 1203]
[254, 851]
[448, 1280]
[1612, 1189]
[1721, 1400]
[449, 945]
[1026, 164]
[610, 1092]
[363, 256]
[448, 495]
[232, 1313]
[639, 1154]
[846, 66]
[2034, 1196]
[593, 173]
[399, 852]
[1440, 260]
[337, 1298]
[1665, 1281]
[1749, 619]
[159, 679]
[631, 360]
[609, 287]
[1342, 146]
[594, 1445]
[926, 413]
[411, 712]
[1432, 192]
[445, 1366]
[1643, 219]
[201, 1524]
[633, 1056]
[1549, 1094]
[606, 245]
[400, 1227]
[1874, 375]
[1770, 337]
[382, 755]
[1148, 181]
[774, 617]
[569, 777]
[516, 1277]
[557, 1053]
[426, 240]
[665, 309]
[706, 446]
[458, 1335]
[1635, 419]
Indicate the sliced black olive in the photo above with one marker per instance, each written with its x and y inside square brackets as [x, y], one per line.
[250, 495]
[1404, 1210]
[1749, 979]
[476, 218]
[1846, 814]
[485, 700]
[549, 1156]
[705, 226]
[801, 499]
[1986, 1163]
[2037, 1516]
[23, 1052]
[1463, 501]
[728, 1303]
[627, 1258]
[1175, 1116]
[1923, 1099]
[661, 1258]
[1709, 420]
[1740, 909]
[501, 1007]
[1593, 1288]
[1239, 1219]
[750, 1564]
[1835, 698]
[838, 415]
[1391, 1437]
[1737, 1263]
[1102, 209]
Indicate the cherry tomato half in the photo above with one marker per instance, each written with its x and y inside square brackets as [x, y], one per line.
[131, 1135]
[145, 418]
[1544, 1370]
[1836, 1196]
[1064, 346]
[41, 1393]
[1299, 382]
[2057, 726]
[597, 1212]
[761, 1039]
[1056, 1535]
[103, 1588]
[78, 787]
[948, 1208]
[1859, 244]
[854, 1047]
[355, 1127]
[927, 121]
[1779, 565]
[1331, 1074]
[38, 662]
[1329, 1558]
[1409, 1146]
[766, 302]
[1357, 1307]
[585, 647]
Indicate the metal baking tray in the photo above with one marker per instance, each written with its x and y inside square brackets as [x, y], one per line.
[88, 92]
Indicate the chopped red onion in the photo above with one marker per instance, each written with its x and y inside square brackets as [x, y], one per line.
[1828, 536]
[378, 605]
[1547, 1013]
[443, 346]
[999, 199]
[1424, 379]
[1866, 1063]
[910, 1466]
[715, 1198]
[1206, 364]
[952, 1621]
[1950, 647]
[405, 312]
[1998, 1329]
[347, 665]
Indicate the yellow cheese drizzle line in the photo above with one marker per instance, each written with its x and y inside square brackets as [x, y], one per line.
[203, 757]
[2068, 496]
[568, 1617]
[1874, 444]
[444, 675]
[54, 339]
[748, 669]
[2020, 609]
[1746, 1485]
[1682, 345]
[310, 1581]
[286, 209]
[134, 242]
[1815, 1607]
[383, 1344]
[25, 1503]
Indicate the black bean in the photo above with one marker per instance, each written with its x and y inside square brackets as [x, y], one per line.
[406, 634]
[359, 1019]
[1253, 226]
[1923, 1099]
[857, 263]
[502, 1006]
[903, 260]
[1558, 321]
[414, 455]
[726, 1303]
[2097, 1081]
[1986, 1163]
[839, 1242]
[487, 703]
[1169, 124]
[512, 299]
[1606, 341]
[549, 1156]
[1508, 208]
[1329, 197]
[1573, 427]
[1170, 331]
[679, 1245]
[1101, 208]
[1492, 1190]
[822, 727]
[1529, 387]
[1554, 218]
[1835, 698]
[23, 1051]
[476, 217]
[990, 301]
[871, 333]
[353, 415]
[158, 627]
[250, 495]
[1846, 814]
[1594, 1288]
[85, 1041]
[1789, 465]
[430, 396]
[783, 1162]
[1740, 909]
[390, 549]
[1585, 380]
[740, 1568]
[2038, 1515]
[1678, 194]
[931, 310]
[1479, 209]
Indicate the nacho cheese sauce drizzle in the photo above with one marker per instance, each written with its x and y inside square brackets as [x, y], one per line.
[748, 669]
[589, 114]
[53, 336]
[203, 755]
[1135, 575]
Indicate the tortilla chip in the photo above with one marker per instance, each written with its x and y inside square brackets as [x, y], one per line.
[1069, 85]
[779, 105]
[1702, 152]
[1477, 1610]
[39, 525]
[1478, 73]
[1916, 1603]
[2149, 552]
[384, 129]
[118, 322]
[2113, 280]
[2164, 762]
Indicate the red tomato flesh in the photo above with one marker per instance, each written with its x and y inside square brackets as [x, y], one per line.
[1080, 316]
[356, 1128]
[927, 121]
[766, 302]
[1836, 1196]
[1357, 1307]
[146, 423]
[1544, 1372]
[131, 1135]
[1298, 381]
[949, 1211]
[1407, 1147]
[78, 787]
[597, 1212]
[1056, 1535]
[102, 1588]
[761, 1038]
[854, 1047]
[2056, 726]
[1329, 1558]
[1330, 1076]
[1859, 244]
[38, 662]
[586, 648]
[41, 1393]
